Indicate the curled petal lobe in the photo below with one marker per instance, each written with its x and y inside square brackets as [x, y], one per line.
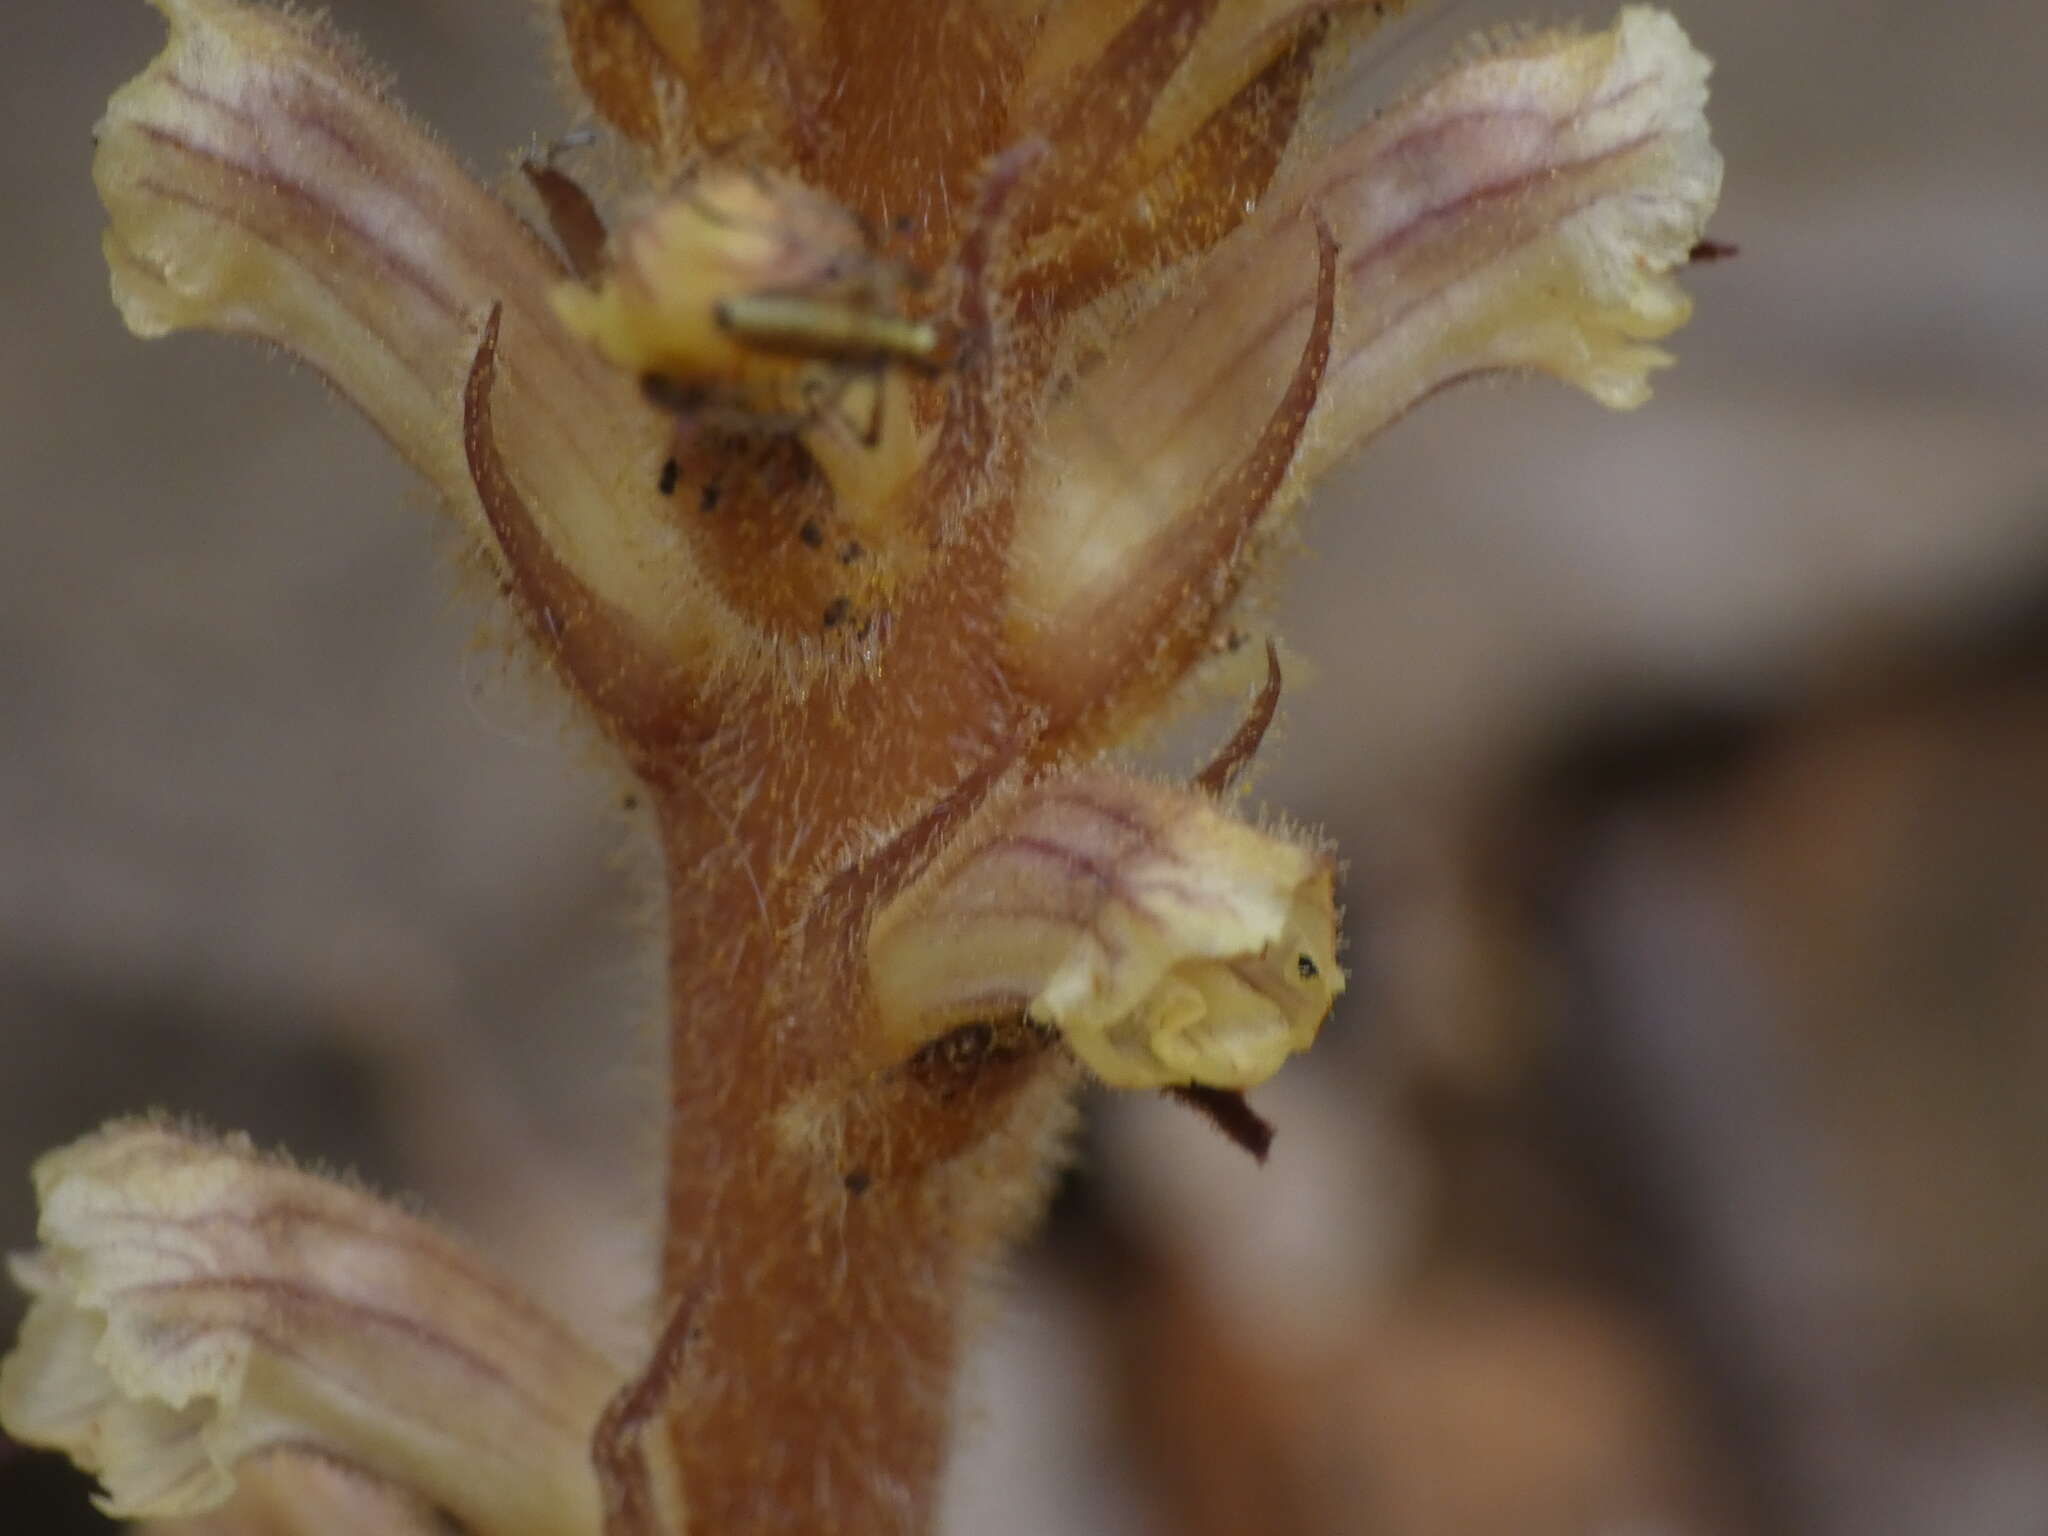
[196, 1305]
[1526, 211]
[1578, 172]
[1167, 943]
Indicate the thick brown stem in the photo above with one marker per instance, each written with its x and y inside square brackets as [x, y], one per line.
[824, 1222]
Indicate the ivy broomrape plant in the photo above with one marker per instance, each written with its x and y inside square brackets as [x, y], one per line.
[907, 445]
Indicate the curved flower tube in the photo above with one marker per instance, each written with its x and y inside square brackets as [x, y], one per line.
[198, 1307]
[1524, 213]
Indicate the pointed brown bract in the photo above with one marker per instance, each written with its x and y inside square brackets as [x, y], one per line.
[1223, 769]
[1158, 609]
[906, 444]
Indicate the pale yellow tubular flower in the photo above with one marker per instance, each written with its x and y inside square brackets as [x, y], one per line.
[1166, 942]
[1523, 212]
[197, 1305]
[258, 183]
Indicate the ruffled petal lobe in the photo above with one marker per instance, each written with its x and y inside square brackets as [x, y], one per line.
[1167, 943]
[197, 1305]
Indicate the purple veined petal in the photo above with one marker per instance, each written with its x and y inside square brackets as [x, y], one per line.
[259, 184]
[196, 1305]
[299, 1496]
[1166, 941]
[1525, 212]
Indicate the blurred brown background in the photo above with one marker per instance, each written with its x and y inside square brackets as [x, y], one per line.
[1678, 1161]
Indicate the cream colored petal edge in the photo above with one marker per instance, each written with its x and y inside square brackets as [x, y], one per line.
[258, 183]
[196, 1305]
[1525, 211]
[1166, 942]
[299, 1496]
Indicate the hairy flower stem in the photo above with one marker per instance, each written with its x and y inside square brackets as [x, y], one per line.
[820, 1230]
[823, 1209]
